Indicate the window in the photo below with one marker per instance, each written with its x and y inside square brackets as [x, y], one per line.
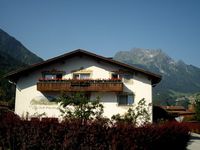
[76, 76]
[81, 76]
[125, 99]
[59, 76]
[122, 75]
[115, 76]
[53, 76]
[84, 76]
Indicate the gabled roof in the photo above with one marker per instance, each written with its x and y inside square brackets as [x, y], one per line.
[13, 76]
[177, 110]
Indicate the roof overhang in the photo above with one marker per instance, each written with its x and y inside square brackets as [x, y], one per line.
[14, 76]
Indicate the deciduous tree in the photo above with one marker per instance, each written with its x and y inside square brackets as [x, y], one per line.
[79, 106]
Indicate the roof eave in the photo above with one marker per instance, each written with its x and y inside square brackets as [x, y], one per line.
[14, 75]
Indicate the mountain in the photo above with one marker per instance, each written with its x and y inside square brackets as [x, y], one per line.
[13, 55]
[178, 78]
[12, 47]
[8, 63]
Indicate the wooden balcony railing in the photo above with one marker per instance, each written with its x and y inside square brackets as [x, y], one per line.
[80, 85]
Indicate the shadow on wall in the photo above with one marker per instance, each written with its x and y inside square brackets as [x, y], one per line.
[142, 79]
[43, 100]
[26, 83]
[127, 89]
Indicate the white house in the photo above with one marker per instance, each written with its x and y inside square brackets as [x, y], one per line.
[118, 85]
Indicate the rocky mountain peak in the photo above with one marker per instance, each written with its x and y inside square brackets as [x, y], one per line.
[147, 57]
[178, 77]
[150, 55]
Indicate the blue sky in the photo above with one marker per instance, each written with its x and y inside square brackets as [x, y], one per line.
[52, 27]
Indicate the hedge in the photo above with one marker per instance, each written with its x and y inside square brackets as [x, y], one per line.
[49, 134]
[194, 126]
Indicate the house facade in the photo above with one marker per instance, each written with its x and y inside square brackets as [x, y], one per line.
[118, 85]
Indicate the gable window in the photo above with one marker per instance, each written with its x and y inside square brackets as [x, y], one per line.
[115, 76]
[52, 75]
[81, 76]
[125, 99]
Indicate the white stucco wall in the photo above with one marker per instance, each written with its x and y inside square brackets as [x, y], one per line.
[26, 89]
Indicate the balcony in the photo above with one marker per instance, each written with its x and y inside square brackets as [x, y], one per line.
[71, 85]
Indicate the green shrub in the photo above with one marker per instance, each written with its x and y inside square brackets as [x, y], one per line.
[137, 116]
[197, 107]
[79, 106]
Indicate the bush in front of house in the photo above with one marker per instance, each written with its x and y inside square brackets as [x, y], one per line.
[171, 135]
[99, 134]
[194, 126]
[79, 106]
[197, 107]
[138, 115]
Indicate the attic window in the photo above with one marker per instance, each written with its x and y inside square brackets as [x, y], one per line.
[115, 76]
[81, 75]
[53, 74]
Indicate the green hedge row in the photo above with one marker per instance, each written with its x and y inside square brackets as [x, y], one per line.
[49, 134]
